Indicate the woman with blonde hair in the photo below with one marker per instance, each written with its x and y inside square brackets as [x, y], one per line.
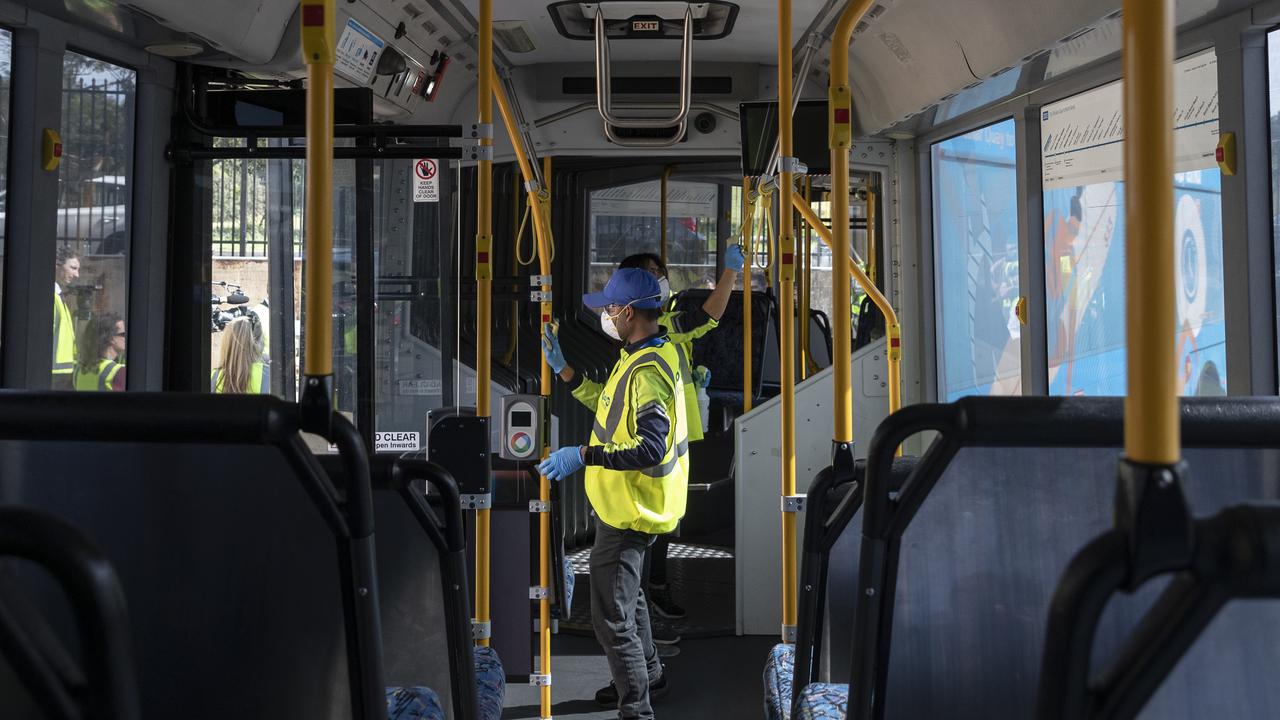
[242, 369]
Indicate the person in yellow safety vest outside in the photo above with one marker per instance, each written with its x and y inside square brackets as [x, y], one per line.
[66, 269]
[242, 369]
[683, 328]
[637, 475]
[102, 344]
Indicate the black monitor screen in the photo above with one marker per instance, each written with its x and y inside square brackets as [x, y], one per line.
[521, 419]
[759, 123]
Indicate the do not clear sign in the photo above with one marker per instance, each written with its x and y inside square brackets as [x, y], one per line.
[426, 180]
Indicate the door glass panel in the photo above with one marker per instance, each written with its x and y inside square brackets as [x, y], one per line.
[91, 282]
[626, 219]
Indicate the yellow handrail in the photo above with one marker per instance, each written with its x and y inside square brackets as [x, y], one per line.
[748, 213]
[893, 331]
[840, 137]
[871, 236]
[540, 206]
[786, 317]
[1151, 428]
[319, 45]
[662, 243]
[484, 290]
[802, 267]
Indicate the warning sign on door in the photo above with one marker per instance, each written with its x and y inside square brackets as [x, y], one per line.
[426, 181]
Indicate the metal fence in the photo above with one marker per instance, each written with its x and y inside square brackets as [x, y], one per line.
[242, 202]
[93, 191]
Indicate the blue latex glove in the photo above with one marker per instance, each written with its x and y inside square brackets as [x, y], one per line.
[562, 463]
[734, 259]
[551, 350]
[702, 376]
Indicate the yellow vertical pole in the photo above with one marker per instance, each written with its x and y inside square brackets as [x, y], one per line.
[544, 485]
[748, 211]
[1151, 428]
[662, 243]
[840, 136]
[319, 47]
[786, 314]
[802, 263]
[871, 235]
[484, 282]
[539, 200]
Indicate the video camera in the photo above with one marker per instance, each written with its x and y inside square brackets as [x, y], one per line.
[236, 297]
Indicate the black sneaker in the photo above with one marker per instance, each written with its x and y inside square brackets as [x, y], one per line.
[664, 636]
[660, 602]
[608, 696]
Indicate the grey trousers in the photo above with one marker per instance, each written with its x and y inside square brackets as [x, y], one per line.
[620, 616]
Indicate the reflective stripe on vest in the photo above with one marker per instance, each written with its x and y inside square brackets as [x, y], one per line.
[651, 500]
[98, 380]
[64, 338]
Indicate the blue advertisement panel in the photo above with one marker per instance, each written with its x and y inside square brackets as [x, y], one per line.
[975, 228]
[1084, 222]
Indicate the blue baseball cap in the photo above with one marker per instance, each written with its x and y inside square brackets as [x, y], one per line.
[627, 286]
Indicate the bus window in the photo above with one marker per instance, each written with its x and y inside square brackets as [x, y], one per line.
[1273, 68]
[92, 231]
[975, 230]
[626, 219]
[6, 72]
[1084, 220]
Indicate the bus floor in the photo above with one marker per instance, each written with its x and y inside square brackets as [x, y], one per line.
[711, 677]
[713, 672]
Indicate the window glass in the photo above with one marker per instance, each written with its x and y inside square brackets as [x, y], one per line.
[1273, 63]
[975, 229]
[6, 72]
[625, 220]
[1084, 220]
[91, 281]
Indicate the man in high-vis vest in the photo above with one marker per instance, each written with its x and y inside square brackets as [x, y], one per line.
[637, 468]
[66, 269]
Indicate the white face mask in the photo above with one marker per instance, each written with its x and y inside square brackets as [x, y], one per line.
[664, 289]
[606, 324]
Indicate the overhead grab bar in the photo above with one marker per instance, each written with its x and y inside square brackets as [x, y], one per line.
[604, 86]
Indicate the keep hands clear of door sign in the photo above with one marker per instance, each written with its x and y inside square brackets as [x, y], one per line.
[426, 180]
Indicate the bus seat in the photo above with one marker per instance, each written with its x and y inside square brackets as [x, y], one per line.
[823, 701]
[986, 526]
[414, 703]
[777, 681]
[721, 349]
[491, 683]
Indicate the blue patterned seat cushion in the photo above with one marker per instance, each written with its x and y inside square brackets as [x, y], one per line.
[569, 580]
[778, 671]
[823, 701]
[413, 703]
[491, 683]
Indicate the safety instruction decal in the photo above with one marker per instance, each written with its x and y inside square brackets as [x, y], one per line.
[429, 386]
[426, 180]
[396, 441]
[358, 51]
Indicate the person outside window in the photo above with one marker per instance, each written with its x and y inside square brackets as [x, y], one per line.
[637, 476]
[241, 369]
[101, 346]
[66, 269]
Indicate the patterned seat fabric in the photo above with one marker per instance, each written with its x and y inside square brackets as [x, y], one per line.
[777, 682]
[491, 683]
[569, 580]
[823, 701]
[413, 703]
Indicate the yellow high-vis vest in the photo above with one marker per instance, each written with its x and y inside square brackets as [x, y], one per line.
[684, 347]
[651, 500]
[99, 379]
[64, 338]
[218, 379]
